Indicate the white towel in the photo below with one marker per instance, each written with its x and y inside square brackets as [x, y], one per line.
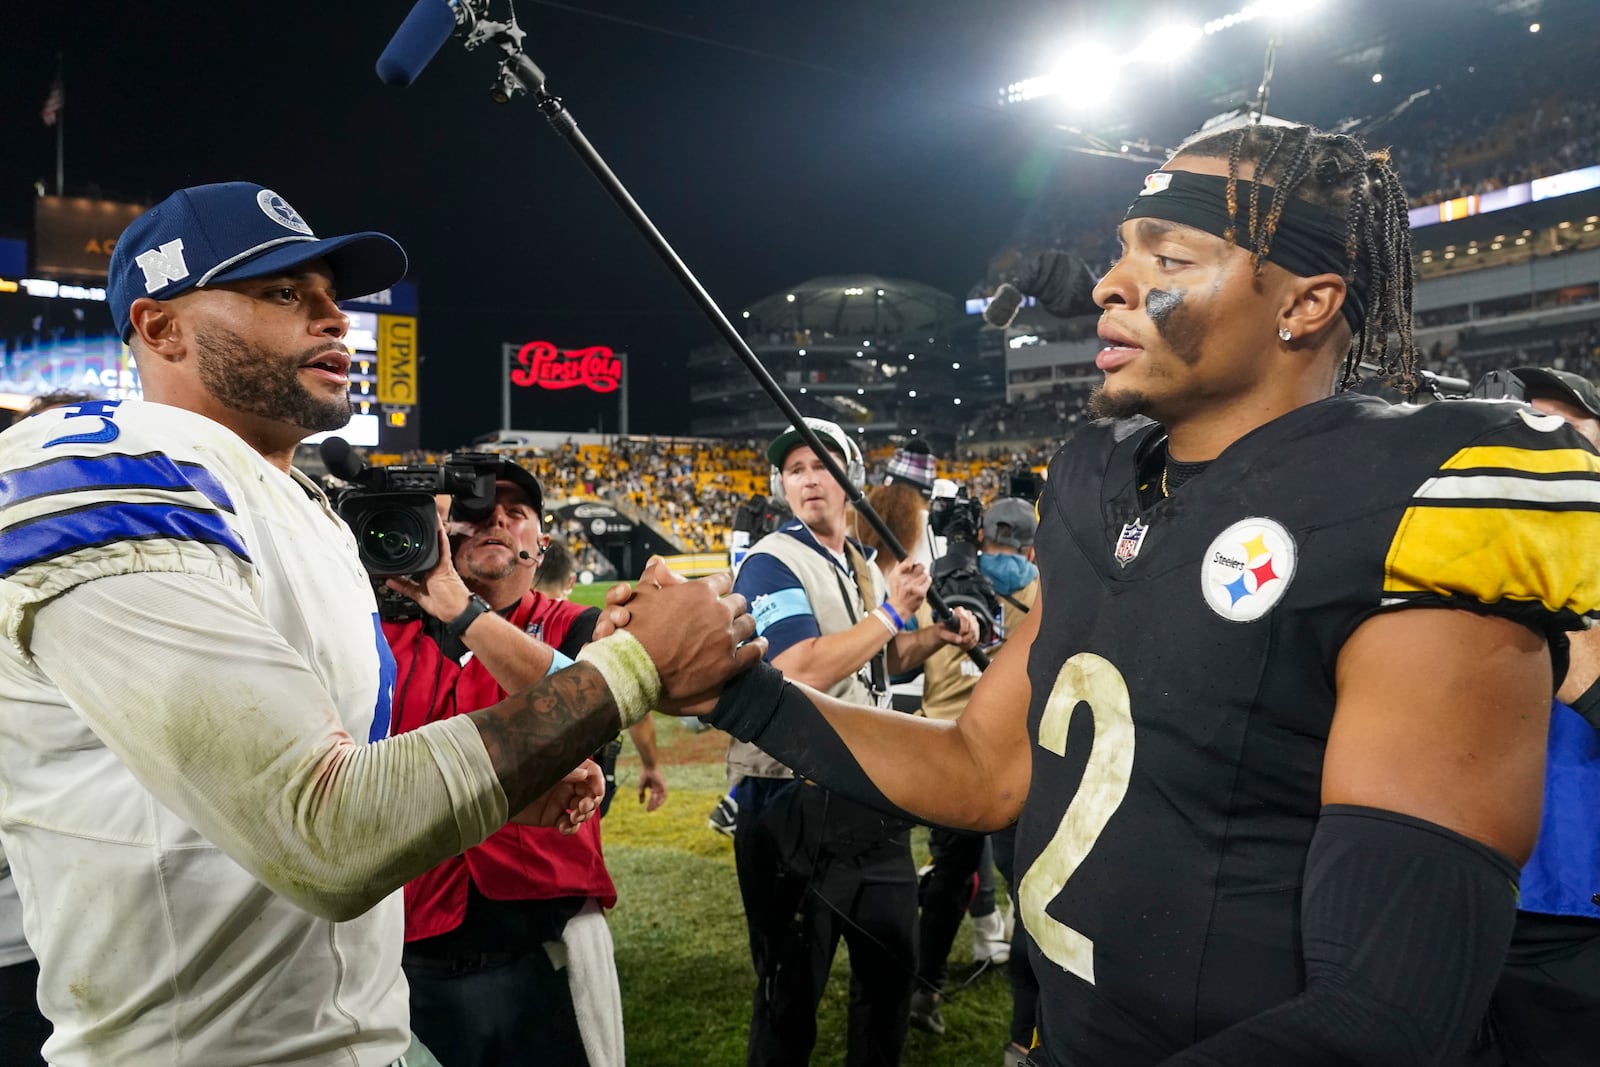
[586, 949]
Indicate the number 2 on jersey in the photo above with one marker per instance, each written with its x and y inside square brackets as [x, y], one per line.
[1086, 679]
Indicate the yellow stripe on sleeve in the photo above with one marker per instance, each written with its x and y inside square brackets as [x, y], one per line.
[1526, 460]
[1549, 557]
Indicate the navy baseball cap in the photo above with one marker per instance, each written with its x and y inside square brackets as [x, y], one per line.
[231, 231]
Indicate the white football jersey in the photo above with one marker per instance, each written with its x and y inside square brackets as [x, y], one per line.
[154, 945]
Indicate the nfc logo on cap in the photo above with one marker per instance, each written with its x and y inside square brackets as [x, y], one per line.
[278, 210]
[163, 265]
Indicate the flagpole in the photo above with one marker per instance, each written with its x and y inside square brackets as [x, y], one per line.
[61, 129]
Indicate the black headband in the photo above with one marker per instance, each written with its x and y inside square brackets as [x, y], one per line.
[1308, 239]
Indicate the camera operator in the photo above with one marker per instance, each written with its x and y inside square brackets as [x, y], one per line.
[1546, 1008]
[813, 866]
[1005, 561]
[484, 988]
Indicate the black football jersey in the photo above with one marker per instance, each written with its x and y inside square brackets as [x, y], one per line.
[1183, 681]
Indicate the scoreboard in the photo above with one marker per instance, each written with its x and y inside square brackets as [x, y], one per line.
[58, 335]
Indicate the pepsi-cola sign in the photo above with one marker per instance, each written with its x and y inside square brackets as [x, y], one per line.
[543, 364]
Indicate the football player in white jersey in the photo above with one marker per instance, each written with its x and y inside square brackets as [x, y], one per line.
[206, 820]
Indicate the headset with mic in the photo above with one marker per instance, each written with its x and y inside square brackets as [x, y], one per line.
[855, 465]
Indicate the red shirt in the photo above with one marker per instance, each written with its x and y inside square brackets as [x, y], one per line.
[516, 862]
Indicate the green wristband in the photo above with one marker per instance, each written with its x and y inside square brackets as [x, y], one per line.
[628, 672]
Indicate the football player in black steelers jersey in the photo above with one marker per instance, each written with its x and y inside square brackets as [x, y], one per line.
[1275, 731]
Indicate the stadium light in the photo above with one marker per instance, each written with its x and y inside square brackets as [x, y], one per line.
[1168, 43]
[1087, 75]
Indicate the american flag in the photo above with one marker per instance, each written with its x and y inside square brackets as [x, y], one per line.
[53, 103]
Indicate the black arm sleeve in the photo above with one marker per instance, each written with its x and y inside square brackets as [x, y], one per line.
[1588, 705]
[1404, 926]
[762, 707]
[580, 633]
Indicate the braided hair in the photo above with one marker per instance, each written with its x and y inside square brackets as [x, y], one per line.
[1337, 173]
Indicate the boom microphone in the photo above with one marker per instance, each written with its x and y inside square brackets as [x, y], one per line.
[417, 41]
[1003, 307]
[341, 462]
[1062, 284]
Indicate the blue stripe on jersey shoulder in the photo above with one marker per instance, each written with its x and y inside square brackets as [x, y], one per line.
[62, 532]
[71, 474]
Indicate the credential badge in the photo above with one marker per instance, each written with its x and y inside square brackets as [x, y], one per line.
[1129, 540]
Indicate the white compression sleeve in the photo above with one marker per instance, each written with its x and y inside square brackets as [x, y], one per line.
[224, 722]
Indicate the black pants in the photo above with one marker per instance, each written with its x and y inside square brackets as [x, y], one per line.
[23, 1030]
[795, 921]
[477, 1004]
[1546, 1008]
[945, 895]
[1024, 985]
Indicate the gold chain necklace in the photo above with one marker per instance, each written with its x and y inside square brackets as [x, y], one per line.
[1164, 480]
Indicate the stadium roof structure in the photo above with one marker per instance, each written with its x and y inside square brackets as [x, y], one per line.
[866, 304]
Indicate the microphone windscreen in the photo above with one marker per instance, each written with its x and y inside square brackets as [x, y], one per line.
[416, 42]
[341, 462]
[1062, 283]
[1003, 306]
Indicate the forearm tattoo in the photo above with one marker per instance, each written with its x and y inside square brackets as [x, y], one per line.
[536, 736]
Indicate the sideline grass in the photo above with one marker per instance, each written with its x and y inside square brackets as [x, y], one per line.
[590, 594]
[679, 930]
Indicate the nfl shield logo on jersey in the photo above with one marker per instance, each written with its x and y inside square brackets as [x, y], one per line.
[1128, 542]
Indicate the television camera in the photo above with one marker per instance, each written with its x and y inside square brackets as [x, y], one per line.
[956, 574]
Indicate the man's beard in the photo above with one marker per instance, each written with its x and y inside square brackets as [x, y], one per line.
[480, 573]
[1104, 405]
[257, 381]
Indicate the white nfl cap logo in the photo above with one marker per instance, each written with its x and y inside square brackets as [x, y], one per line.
[278, 210]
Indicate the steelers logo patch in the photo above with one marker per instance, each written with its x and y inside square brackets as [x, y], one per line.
[278, 210]
[1247, 569]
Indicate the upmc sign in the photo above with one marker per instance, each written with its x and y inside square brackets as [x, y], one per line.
[397, 359]
[543, 364]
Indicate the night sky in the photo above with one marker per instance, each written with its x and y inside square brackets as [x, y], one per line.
[771, 142]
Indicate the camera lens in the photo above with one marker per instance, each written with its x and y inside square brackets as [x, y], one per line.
[391, 537]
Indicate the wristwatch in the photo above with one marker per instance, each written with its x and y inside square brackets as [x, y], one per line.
[457, 626]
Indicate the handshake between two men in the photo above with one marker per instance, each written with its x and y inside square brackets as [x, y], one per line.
[684, 641]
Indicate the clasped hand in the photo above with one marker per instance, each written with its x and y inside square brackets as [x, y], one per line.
[699, 634]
